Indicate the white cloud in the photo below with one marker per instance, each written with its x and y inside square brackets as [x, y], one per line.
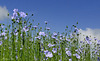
[3, 13]
[89, 32]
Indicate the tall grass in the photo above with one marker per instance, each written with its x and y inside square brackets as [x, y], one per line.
[21, 41]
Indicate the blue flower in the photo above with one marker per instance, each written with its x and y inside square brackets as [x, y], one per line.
[17, 21]
[76, 30]
[15, 10]
[87, 38]
[42, 33]
[25, 29]
[67, 39]
[70, 59]
[47, 28]
[16, 57]
[55, 34]
[22, 14]
[54, 50]
[68, 53]
[53, 37]
[60, 35]
[0, 42]
[35, 27]
[98, 42]
[14, 16]
[38, 37]
[98, 59]
[49, 54]
[60, 60]
[3, 34]
[66, 49]
[51, 45]
[46, 51]
[2, 26]
[6, 37]
[77, 56]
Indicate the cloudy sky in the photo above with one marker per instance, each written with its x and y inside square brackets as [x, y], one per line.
[58, 13]
[3, 13]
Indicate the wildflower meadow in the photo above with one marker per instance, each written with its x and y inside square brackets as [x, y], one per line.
[24, 41]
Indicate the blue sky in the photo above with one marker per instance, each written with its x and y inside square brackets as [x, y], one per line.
[59, 13]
